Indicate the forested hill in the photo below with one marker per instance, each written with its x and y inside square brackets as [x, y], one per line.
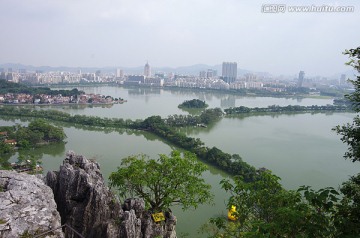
[10, 87]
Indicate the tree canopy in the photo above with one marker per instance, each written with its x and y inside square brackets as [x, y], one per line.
[38, 131]
[265, 209]
[351, 131]
[166, 181]
[349, 208]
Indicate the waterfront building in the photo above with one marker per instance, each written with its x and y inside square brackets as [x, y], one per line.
[135, 80]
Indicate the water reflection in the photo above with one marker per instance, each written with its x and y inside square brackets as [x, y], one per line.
[195, 130]
[143, 91]
[38, 153]
[53, 149]
[228, 102]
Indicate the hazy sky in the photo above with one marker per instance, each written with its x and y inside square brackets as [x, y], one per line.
[177, 33]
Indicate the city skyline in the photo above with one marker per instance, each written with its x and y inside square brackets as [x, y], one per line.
[191, 70]
[177, 33]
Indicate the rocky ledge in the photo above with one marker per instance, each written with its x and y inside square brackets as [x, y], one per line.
[27, 206]
[86, 204]
[75, 196]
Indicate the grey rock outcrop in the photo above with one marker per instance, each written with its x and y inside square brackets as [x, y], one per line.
[83, 200]
[86, 204]
[27, 206]
[137, 222]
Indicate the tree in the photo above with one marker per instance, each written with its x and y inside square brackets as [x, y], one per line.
[167, 181]
[265, 209]
[348, 215]
[351, 132]
[348, 219]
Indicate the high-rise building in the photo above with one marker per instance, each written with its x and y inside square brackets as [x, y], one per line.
[301, 78]
[229, 71]
[147, 70]
[118, 73]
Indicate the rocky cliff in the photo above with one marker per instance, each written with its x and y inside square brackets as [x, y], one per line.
[27, 207]
[86, 204]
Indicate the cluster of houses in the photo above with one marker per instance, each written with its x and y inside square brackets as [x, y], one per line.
[21, 98]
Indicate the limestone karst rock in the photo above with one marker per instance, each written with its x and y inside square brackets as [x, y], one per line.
[27, 206]
[88, 205]
[83, 200]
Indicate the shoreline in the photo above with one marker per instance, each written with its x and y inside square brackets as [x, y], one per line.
[60, 104]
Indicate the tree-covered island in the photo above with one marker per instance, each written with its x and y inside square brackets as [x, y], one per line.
[23, 138]
[194, 103]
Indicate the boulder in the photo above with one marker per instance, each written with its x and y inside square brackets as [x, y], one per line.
[27, 206]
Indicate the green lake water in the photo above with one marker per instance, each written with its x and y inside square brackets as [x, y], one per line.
[300, 148]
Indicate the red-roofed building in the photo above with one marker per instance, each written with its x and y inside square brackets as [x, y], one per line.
[10, 142]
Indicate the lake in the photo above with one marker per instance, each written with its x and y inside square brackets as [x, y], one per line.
[300, 148]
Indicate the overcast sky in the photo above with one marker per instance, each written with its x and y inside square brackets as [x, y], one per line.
[127, 33]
